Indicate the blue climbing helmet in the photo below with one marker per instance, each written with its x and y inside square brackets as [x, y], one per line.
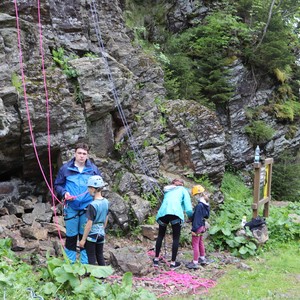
[96, 181]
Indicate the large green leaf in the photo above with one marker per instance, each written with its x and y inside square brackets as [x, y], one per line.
[226, 231]
[99, 271]
[62, 276]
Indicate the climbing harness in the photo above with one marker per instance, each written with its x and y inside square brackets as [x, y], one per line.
[79, 214]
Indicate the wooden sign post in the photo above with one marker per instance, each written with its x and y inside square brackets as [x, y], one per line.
[257, 201]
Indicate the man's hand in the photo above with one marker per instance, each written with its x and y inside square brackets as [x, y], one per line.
[67, 196]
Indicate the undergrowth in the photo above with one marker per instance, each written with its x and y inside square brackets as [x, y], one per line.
[226, 221]
[61, 280]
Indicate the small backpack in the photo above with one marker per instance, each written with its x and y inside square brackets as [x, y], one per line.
[255, 223]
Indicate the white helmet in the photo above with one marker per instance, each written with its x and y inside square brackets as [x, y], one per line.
[96, 181]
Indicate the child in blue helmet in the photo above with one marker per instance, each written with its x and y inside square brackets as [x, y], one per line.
[97, 217]
[201, 212]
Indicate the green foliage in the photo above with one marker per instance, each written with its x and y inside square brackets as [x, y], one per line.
[202, 180]
[291, 132]
[78, 94]
[259, 132]
[17, 83]
[151, 220]
[61, 280]
[63, 61]
[91, 55]
[281, 226]
[227, 220]
[286, 177]
[199, 58]
[123, 291]
[185, 239]
[160, 105]
[118, 145]
[289, 110]
[13, 282]
[152, 198]
[275, 51]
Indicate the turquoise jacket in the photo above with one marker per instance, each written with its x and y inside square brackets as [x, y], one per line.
[176, 201]
[101, 211]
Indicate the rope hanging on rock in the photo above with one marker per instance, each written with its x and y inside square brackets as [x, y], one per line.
[133, 143]
[50, 186]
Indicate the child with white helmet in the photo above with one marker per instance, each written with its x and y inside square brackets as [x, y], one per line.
[97, 216]
[201, 212]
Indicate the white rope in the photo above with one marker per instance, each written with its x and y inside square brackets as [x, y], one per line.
[133, 144]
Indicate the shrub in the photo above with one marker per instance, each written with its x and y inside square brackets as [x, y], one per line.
[226, 221]
[259, 132]
[286, 177]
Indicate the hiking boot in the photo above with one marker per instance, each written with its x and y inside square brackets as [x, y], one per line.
[176, 266]
[191, 265]
[202, 261]
[155, 263]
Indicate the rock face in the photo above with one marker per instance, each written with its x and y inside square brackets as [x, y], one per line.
[106, 92]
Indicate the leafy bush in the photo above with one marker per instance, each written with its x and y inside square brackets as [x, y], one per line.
[288, 110]
[286, 177]
[281, 226]
[61, 280]
[226, 221]
[259, 132]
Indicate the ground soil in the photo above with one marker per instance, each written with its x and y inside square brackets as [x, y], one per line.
[165, 283]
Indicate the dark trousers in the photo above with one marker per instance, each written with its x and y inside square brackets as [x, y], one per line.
[176, 228]
[95, 253]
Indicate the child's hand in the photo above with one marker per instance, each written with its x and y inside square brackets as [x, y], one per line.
[81, 243]
[194, 233]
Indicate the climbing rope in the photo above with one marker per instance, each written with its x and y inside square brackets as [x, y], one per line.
[171, 282]
[50, 186]
[133, 143]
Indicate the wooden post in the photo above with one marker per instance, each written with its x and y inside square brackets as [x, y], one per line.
[257, 202]
[256, 193]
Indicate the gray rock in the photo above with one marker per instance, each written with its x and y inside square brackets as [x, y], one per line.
[131, 259]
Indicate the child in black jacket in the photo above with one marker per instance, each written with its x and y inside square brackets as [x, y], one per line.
[201, 212]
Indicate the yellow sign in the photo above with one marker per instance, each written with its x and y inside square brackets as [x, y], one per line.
[266, 183]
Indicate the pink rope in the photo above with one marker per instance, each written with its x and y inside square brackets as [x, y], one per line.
[183, 282]
[50, 188]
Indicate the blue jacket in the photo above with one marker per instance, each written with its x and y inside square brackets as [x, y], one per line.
[176, 201]
[69, 179]
[201, 212]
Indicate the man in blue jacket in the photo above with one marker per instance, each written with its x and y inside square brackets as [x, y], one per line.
[71, 185]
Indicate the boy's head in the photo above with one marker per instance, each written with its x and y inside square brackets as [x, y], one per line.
[197, 190]
[95, 182]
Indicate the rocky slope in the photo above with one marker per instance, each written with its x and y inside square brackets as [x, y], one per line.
[115, 102]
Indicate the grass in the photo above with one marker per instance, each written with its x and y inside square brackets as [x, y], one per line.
[275, 275]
